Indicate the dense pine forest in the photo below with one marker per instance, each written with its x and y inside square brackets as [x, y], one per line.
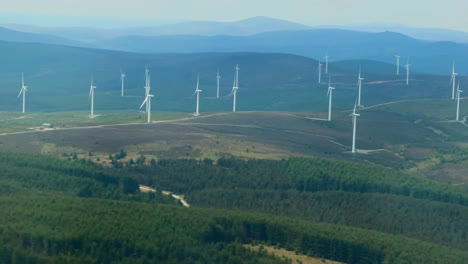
[74, 211]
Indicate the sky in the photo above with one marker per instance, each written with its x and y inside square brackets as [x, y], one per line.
[447, 14]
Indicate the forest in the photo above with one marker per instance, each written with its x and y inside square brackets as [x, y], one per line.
[74, 211]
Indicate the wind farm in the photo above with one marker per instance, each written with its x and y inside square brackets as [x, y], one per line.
[219, 173]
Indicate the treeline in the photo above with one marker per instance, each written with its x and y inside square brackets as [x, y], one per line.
[23, 173]
[308, 175]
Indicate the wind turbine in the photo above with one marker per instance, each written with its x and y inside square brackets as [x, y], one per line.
[147, 101]
[23, 91]
[326, 63]
[218, 77]
[360, 79]
[458, 101]
[197, 91]
[147, 86]
[235, 88]
[122, 80]
[319, 72]
[453, 80]
[91, 97]
[354, 117]
[398, 65]
[330, 95]
[407, 72]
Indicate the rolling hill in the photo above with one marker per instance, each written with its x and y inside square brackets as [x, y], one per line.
[59, 78]
[18, 36]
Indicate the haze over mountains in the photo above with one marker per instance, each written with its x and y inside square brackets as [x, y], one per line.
[259, 34]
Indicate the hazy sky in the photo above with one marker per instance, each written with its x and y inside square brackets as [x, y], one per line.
[429, 13]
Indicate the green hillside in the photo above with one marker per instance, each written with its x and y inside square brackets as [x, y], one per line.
[58, 78]
[48, 218]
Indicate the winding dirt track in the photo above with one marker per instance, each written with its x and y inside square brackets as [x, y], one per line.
[180, 198]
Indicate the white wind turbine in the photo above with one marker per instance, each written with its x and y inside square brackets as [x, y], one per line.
[23, 91]
[319, 72]
[330, 95]
[91, 97]
[326, 63]
[407, 72]
[235, 88]
[122, 80]
[398, 65]
[354, 117]
[147, 86]
[197, 91]
[453, 81]
[218, 77]
[147, 102]
[360, 79]
[458, 101]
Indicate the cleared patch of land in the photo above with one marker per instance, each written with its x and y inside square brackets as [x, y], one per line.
[293, 256]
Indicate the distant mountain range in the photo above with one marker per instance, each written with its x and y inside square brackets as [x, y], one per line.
[430, 57]
[259, 34]
[250, 26]
[18, 36]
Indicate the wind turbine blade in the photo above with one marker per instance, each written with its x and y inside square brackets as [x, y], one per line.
[144, 102]
[21, 91]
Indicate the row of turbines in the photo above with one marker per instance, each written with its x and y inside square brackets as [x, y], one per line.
[148, 95]
[456, 93]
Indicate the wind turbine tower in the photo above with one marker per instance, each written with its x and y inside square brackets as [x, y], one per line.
[330, 95]
[91, 97]
[122, 80]
[147, 101]
[407, 72]
[458, 101]
[326, 63]
[354, 116]
[398, 65]
[147, 86]
[360, 79]
[23, 90]
[218, 77]
[319, 72]
[197, 91]
[235, 88]
[453, 81]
